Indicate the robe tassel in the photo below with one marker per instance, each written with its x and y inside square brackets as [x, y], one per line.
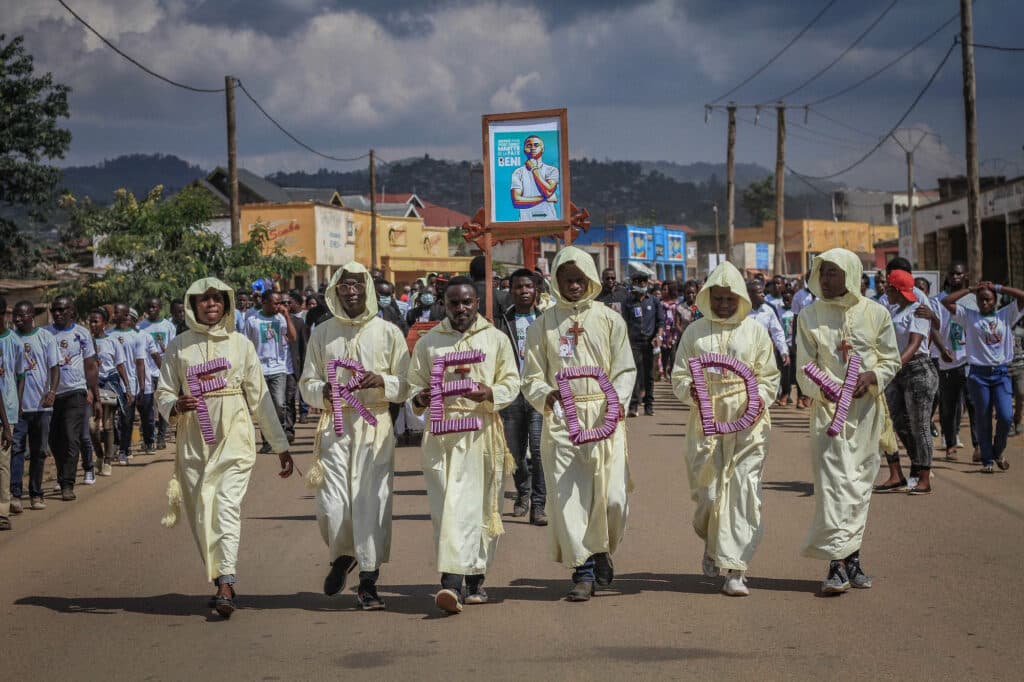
[174, 501]
[317, 473]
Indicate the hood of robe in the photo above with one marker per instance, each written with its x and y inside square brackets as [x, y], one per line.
[850, 264]
[227, 322]
[334, 303]
[725, 275]
[585, 262]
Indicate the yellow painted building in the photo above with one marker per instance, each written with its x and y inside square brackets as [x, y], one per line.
[805, 239]
[406, 248]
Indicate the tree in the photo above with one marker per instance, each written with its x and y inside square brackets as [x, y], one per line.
[158, 247]
[30, 106]
[758, 200]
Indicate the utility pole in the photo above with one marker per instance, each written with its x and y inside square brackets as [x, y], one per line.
[780, 190]
[974, 262]
[917, 261]
[718, 246]
[236, 227]
[373, 210]
[730, 181]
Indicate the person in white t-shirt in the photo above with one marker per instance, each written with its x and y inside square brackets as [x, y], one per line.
[271, 330]
[912, 390]
[989, 341]
[77, 391]
[534, 185]
[113, 378]
[135, 365]
[163, 331]
[38, 371]
[8, 414]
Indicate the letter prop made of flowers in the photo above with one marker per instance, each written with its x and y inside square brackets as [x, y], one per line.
[704, 403]
[840, 395]
[612, 414]
[344, 391]
[199, 387]
[440, 389]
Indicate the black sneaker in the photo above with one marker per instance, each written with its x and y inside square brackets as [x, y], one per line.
[856, 575]
[581, 591]
[266, 449]
[335, 580]
[648, 411]
[522, 505]
[604, 570]
[837, 580]
[538, 517]
[68, 495]
[476, 594]
[161, 443]
[368, 598]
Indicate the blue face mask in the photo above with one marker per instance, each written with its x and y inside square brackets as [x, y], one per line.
[384, 301]
[427, 299]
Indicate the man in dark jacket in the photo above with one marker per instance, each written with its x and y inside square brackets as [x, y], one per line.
[388, 308]
[523, 424]
[645, 319]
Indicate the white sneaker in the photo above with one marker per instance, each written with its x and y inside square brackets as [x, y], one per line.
[707, 565]
[90, 478]
[911, 482]
[56, 487]
[735, 584]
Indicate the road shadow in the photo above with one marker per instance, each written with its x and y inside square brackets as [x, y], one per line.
[421, 493]
[805, 488]
[635, 583]
[415, 472]
[299, 517]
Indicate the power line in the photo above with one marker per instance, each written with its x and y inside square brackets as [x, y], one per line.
[778, 54]
[885, 68]
[1000, 48]
[292, 137]
[133, 60]
[906, 113]
[821, 72]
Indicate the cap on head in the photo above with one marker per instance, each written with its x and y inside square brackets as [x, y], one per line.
[903, 282]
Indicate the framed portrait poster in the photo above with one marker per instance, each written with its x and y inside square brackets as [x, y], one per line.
[526, 172]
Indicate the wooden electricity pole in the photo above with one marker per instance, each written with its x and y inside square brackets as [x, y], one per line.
[780, 190]
[236, 226]
[730, 182]
[974, 262]
[373, 210]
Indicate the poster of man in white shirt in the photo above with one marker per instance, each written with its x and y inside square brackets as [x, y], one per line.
[526, 172]
[535, 184]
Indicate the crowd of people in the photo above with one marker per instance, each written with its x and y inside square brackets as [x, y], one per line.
[487, 401]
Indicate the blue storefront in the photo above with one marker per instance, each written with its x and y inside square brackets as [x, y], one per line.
[656, 250]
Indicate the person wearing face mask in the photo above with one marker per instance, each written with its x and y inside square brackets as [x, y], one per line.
[645, 319]
[587, 483]
[388, 308]
[420, 311]
[725, 470]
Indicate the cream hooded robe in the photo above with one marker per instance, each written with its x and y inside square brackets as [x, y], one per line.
[210, 480]
[587, 484]
[465, 472]
[725, 471]
[353, 473]
[844, 466]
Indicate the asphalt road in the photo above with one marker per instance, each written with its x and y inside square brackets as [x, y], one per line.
[97, 589]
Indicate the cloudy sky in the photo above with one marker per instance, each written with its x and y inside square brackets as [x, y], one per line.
[409, 77]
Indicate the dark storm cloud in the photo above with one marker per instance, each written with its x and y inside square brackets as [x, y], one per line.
[410, 77]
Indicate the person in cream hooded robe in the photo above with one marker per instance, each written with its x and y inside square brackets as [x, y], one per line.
[465, 472]
[587, 484]
[838, 324]
[353, 473]
[725, 470]
[210, 480]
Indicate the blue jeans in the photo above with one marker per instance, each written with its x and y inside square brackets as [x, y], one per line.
[989, 388]
[31, 433]
[523, 425]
